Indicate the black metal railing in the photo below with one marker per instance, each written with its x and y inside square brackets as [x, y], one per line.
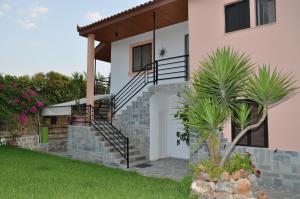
[114, 137]
[102, 85]
[160, 70]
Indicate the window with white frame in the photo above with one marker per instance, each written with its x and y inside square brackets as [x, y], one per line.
[265, 12]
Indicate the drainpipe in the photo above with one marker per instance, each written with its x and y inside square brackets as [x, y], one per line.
[153, 56]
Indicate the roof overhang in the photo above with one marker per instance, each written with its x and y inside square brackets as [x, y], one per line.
[135, 21]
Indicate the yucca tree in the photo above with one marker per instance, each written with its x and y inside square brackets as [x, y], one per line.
[267, 88]
[206, 115]
[224, 78]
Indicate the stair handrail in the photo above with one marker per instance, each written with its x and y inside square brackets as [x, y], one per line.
[109, 132]
[142, 78]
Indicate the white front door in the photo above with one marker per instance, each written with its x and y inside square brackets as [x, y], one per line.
[163, 129]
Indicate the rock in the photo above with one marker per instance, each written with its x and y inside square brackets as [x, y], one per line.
[208, 195]
[253, 180]
[212, 186]
[204, 176]
[200, 187]
[225, 176]
[262, 195]
[223, 195]
[224, 186]
[239, 174]
[242, 187]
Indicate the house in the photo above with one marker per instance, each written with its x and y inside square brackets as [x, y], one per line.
[153, 50]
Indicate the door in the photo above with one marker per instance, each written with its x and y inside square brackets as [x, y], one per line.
[163, 130]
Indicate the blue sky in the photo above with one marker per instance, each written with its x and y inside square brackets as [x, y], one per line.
[40, 35]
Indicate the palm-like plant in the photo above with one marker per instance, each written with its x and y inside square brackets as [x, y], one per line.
[206, 115]
[225, 77]
[267, 88]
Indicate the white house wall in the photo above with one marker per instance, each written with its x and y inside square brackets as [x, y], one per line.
[171, 38]
[166, 102]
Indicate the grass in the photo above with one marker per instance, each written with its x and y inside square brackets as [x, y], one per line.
[26, 174]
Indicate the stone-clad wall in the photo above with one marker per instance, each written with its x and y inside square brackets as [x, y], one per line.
[134, 121]
[31, 142]
[83, 144]
[281, 168]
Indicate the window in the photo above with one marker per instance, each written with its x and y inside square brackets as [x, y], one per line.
[237, 16]
[141, 57]
[257, 137]
[53, 120]
[265, 12]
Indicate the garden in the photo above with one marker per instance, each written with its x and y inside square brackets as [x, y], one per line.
[225, 86]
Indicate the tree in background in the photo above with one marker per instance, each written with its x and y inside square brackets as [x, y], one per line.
[77, 86]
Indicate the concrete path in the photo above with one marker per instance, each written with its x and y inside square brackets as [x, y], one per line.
[165, 168]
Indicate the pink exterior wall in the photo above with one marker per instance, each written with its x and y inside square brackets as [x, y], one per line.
[277, 44]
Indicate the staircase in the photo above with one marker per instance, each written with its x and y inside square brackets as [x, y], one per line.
[115, 143]
[135, 156]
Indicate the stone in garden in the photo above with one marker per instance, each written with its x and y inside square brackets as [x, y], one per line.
[224, 186]
[207, 195]
[225, 176]
[242, 187]
[200, 186]
[204, 176]
[239, 174]
[253, 180]
[262, 195]
[212, 186]
[223, 195]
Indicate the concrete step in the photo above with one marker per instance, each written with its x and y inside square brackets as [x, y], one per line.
[112, 149]
[133, 164]
[132, 159]
[131, 153]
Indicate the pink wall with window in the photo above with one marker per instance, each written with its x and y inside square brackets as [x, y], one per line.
[277, 44]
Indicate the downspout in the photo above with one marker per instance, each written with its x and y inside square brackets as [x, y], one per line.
[154, 44]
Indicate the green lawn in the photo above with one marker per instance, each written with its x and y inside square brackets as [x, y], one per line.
[26, 174]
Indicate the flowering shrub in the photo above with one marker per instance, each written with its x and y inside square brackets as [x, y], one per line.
[26, 102]
[239, 161]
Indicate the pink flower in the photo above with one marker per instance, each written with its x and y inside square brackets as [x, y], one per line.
[16, 101]
[23, 118]
[40, 104]
[25, 96]
[33, 109]
[31, 92]
[258, 172]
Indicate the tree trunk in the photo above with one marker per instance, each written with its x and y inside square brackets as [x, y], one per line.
[230, 147]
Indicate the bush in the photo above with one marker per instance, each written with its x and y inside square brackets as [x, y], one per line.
[214, 172]
[238, 162]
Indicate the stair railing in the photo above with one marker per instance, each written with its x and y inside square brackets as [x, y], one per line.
[160, 70]
[111, 134]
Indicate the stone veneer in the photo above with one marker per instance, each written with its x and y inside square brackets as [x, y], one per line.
[83, 144]
[134, 120]
[281, 168]
[31, 142]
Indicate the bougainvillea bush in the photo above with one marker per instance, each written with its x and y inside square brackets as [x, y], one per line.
[18, 101]
[26, 102]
